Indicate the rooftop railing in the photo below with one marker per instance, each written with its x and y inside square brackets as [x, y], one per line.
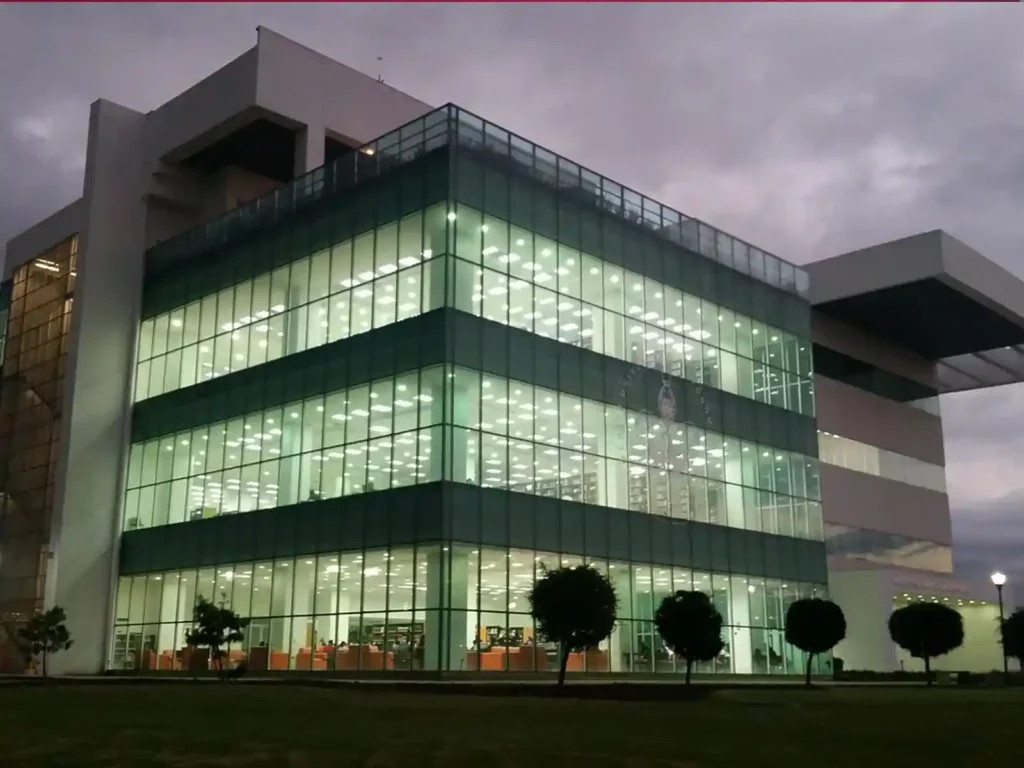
[453, 126]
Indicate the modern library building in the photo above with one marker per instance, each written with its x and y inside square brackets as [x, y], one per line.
[362, 369]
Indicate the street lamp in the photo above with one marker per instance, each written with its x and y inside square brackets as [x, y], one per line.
[999, 579]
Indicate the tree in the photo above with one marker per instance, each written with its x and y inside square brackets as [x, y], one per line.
[926, 630]
[814, 626]
[45, 633]
[691, 626]
[1013, 635]
[215, 626]
[575, 607]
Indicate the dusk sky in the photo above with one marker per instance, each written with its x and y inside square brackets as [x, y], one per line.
[808, 130]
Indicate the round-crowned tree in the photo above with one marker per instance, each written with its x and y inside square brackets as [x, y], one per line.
[926, 630]
[814, 626]
[691, 626]
[1013, 635]
[575, 607]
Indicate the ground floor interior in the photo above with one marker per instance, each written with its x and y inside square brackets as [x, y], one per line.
[437, 608]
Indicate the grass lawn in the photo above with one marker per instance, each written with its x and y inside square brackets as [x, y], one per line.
[206, 724]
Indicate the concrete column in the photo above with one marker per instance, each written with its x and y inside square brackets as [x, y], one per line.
[462, 284]
[168, 613]
[291, 465]
[452, 408]
[621, 640]
[447, 627]
[740, 646]
[81, 576]
[866, 600]
[303, 588]
[595, 324]
[343, 617]
[733, 491]
[309, 149]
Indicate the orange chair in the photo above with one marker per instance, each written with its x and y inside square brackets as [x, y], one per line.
[593, 661]
[262, 658]
[486, 661]
[346, 659]
[527, 659]
[306, 660]
[279, 660]
[363, 657]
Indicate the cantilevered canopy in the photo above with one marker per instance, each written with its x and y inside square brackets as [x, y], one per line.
[934, 296]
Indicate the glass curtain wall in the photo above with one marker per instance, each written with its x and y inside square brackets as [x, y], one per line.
[497, 432]
[375, 436]
[509, 275]
[31, 413]
[514, 436]
[449, 608]
[503, 273]
[380, 277]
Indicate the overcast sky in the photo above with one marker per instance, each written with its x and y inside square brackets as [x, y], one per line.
[807, 129]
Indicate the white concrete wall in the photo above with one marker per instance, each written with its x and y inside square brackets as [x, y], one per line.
[99, 380]
[860, 500]
[325, 95]
[866, 600]
[205, 112]
[980, 652]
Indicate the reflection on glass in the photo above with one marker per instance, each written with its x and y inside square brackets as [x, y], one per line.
[888, 548]
[862, 457]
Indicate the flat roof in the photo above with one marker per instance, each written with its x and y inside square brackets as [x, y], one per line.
[935, 296]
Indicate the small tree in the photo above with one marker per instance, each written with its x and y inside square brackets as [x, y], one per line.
[1013, 635]
[215, 626]
[814, 626]
[45, 633]
[691, 626]
[926, 630]
[575, 607]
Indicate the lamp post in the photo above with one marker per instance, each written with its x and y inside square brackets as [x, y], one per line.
[999, 579]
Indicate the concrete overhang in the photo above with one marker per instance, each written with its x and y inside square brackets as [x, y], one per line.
[935, 296]
[284, 83]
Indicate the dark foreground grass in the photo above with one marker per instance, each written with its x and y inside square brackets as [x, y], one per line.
[208, 724]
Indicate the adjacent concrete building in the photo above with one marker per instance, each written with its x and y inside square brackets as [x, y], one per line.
[362, 369]
[895, 327]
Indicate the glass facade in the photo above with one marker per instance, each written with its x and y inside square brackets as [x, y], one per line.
[453, 127]
[438, 608]
[31, 412]
[888, 548]
[384, 275]
[498, 433]
[519, 437]
[862, 457]
[375, 436]
[510, 275]
[438, 364]
[503, 273]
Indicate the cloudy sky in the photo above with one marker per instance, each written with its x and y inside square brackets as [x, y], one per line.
[809, 130]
